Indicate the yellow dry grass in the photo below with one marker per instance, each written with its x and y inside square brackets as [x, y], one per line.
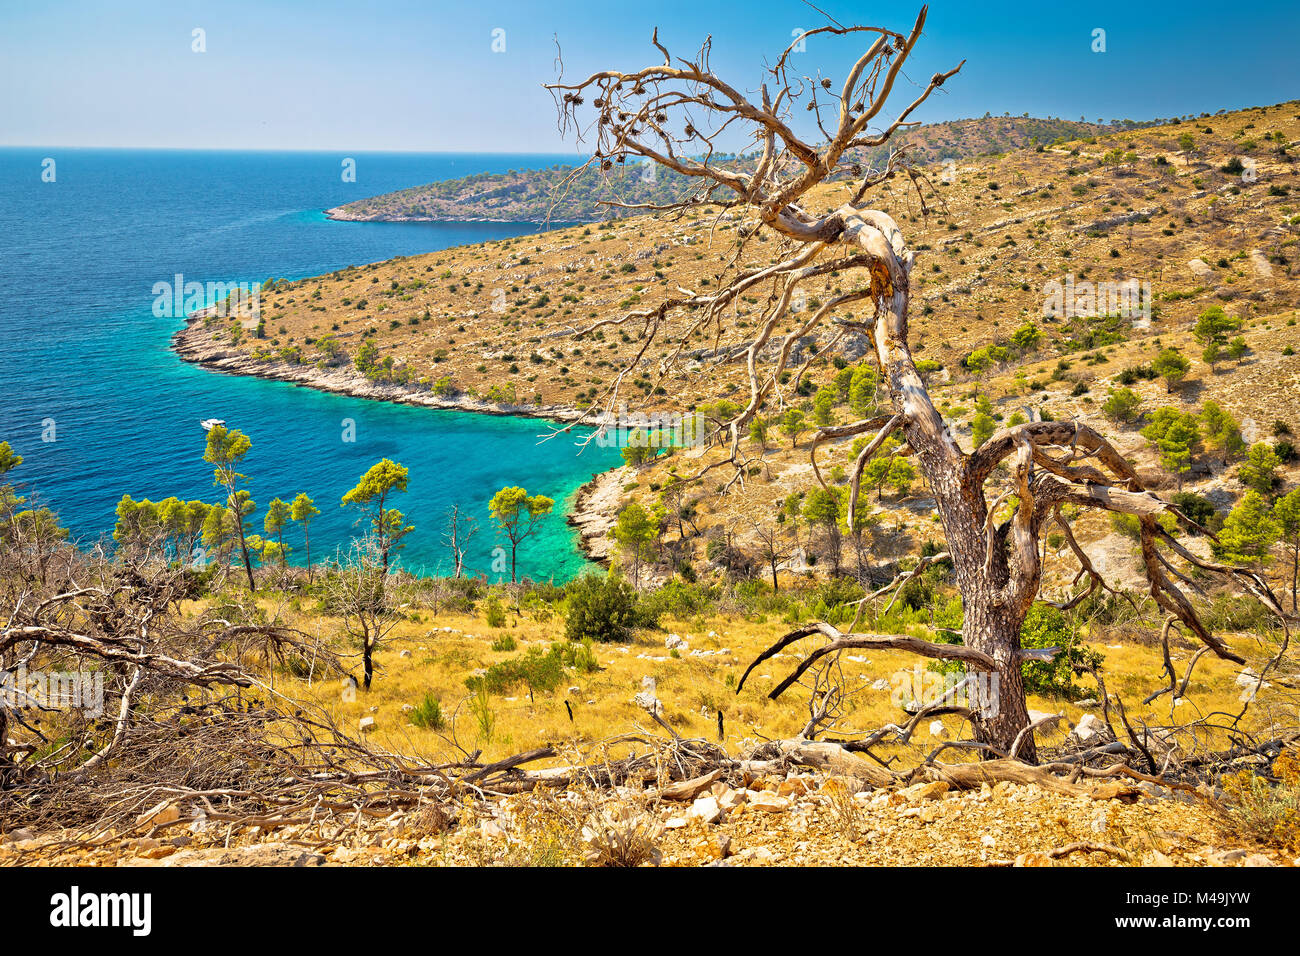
[693, 688]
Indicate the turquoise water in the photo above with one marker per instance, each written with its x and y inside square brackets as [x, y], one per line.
[84, 361]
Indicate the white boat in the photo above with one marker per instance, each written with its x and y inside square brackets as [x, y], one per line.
[210, 423]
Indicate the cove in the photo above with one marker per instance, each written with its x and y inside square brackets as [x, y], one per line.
[85, 361]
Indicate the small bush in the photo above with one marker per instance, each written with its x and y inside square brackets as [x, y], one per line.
[496, 614]
[620, 835]
[428, 714]
[1046, 626]
[1264, 811]
[601, 609]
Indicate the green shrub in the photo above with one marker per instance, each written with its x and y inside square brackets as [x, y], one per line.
[428, 714]
[602, 609]
[679, 598]
[496, 614]
[1046, 626]
[1199, 509]
[533, 669]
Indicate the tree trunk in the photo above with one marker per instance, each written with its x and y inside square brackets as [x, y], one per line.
[367, 658]
[996, 632]
[248, 565]
[1295, 576]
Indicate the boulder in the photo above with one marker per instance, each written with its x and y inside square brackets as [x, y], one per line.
[731, 799]
[705, 809]
[1088, 728]
[924, 791]
[769, 801]
[366, 725]
[165, 812]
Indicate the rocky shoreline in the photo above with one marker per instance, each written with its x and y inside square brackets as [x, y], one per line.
[594, 512]
[341, 214]
[594, 505]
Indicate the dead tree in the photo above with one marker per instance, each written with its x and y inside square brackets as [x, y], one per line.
[994, 503]
[458, 530]
[363, 594]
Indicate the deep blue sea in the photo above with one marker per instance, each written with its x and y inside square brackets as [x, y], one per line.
[84, 361]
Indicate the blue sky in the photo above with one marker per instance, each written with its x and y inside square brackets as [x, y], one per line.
[375, 75]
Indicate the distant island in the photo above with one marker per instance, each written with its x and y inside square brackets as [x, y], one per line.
[593, 195]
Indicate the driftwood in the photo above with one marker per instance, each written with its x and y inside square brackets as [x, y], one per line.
[971, 776]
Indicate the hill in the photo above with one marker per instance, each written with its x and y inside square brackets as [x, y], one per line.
[552, 195]
[494, 327]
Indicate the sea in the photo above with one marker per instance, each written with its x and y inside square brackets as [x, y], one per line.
[99, 406]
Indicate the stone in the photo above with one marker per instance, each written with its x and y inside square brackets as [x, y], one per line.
[705, 809]
[1226, 857]
[731, 799]
[938, 730]
[769, 801]
[794, 786]
[675, 642]
[918, 793]
[404, 654]
[714, 846]
[165, 812]
[259, 854]
[1088, 727]
[21, 835]
[1247, 678]
[366, 725]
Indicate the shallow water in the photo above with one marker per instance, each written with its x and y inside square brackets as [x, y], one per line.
[84, 361]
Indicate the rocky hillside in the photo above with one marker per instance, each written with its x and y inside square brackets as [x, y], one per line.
[563, 194]
[1194, 215]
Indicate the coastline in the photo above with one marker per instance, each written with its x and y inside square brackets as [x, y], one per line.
[595, 503]
[347, 381]
[594, 513]
[340, 214]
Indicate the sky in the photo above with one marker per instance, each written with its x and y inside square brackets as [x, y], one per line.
[372, 75]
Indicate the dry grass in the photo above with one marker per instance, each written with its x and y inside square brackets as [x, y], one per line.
[692, 689]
